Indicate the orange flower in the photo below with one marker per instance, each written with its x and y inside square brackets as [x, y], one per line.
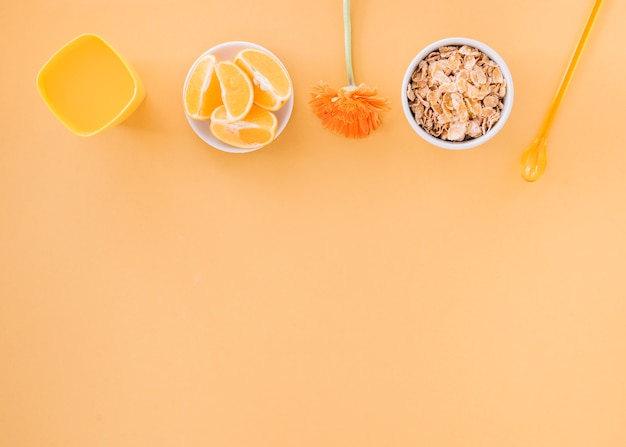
[352, 111]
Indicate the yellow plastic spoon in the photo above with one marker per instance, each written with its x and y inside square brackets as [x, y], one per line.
[534, 161]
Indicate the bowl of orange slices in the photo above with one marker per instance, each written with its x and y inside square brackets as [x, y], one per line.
[238, 97]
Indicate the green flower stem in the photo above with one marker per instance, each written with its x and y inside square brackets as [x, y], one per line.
[347, 35]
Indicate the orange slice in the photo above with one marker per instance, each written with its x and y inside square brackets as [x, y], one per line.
[272, 85]
[257, 129]
[237, 92]
[202, 92]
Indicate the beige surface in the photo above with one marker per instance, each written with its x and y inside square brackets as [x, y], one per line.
[320, 292]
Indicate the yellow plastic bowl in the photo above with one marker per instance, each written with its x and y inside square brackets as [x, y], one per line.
[88, 86]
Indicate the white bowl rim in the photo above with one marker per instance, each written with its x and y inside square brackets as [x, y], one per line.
[508, 103]
[201, 128]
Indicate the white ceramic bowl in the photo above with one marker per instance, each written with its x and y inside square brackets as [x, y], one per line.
[507, 100]
[227, 51]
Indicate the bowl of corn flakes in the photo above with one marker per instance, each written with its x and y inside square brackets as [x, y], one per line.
[457, 93]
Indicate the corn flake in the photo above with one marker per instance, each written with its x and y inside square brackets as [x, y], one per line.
[456, 93]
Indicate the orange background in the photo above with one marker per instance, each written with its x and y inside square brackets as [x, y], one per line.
[155, 291]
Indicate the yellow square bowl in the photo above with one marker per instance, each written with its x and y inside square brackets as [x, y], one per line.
[88, 86]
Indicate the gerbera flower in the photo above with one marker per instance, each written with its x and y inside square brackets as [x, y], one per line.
[353, 111]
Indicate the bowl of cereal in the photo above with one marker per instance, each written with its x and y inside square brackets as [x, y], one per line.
[457, 93]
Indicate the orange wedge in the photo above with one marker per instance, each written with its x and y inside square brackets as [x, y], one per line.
[272, 85]
[257, 129]
[202, 91]
[237, 91]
